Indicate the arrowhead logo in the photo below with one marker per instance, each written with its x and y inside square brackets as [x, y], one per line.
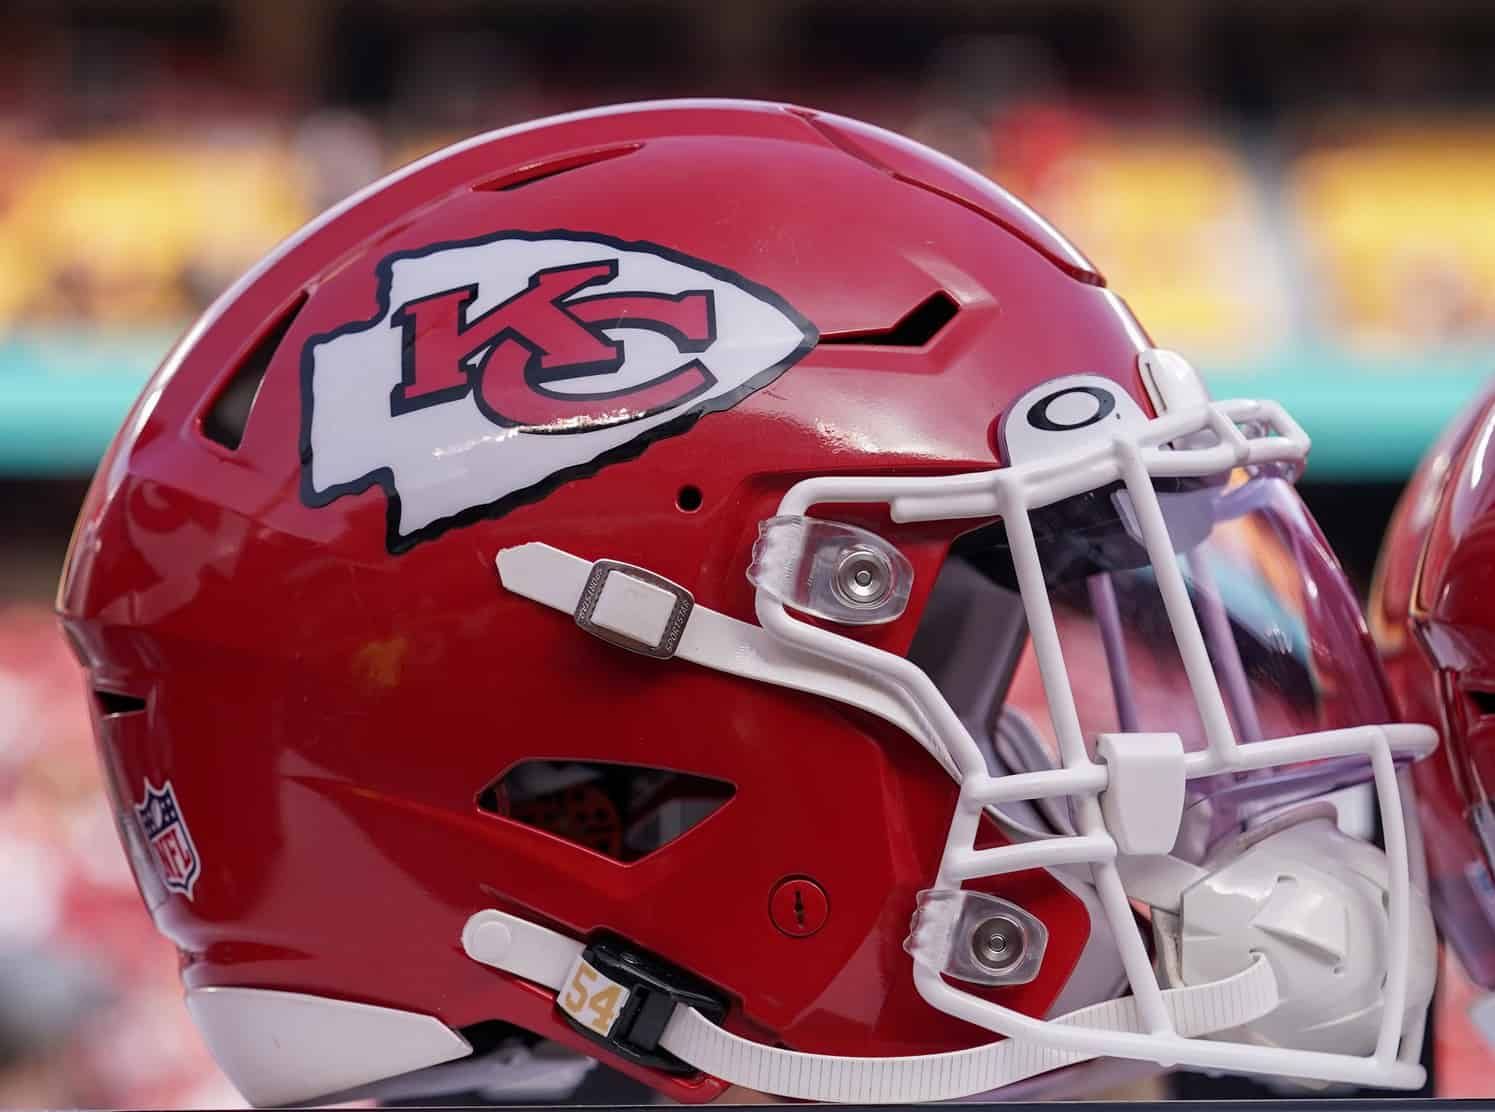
[498, 368]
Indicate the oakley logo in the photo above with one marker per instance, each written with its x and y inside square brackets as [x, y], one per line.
[1074, 407]
[1066, 415]
[498, 368]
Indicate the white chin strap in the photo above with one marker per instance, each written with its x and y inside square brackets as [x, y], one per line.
[545, 957]
[660, 619]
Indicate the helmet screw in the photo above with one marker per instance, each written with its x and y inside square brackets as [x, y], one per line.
[863, 577]
[998, 943]
[798, 906]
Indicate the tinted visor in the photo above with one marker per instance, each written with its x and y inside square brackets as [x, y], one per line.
[1282, 628]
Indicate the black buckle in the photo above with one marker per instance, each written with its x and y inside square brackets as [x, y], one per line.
[654, 988]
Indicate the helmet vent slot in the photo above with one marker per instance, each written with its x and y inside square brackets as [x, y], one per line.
[227, 418]
[1483, 702]
[625, 812]
[528, 175]
[112, 703]
[918, 326]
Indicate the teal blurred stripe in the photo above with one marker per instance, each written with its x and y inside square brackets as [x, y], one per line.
[1370, 417]
[63, 395]
[52, 427]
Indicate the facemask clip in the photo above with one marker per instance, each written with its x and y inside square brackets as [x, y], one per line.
[974, 937]
[1144, 798]
[837, 572]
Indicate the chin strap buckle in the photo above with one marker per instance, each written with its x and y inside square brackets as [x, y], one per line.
[623, 998]
[633, 608]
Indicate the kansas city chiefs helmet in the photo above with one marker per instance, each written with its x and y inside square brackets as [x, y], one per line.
[728, 590]
[1433, 616]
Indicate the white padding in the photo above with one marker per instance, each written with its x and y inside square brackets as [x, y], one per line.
[516, 945]
[1143, 802]
[1158, 881]
[633, 608]
[283, 1047]
[1313, 902]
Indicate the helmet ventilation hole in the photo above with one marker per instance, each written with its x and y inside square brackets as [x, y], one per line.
[689, 499]
[227, 418]
[918, 326]
[625, 812]
[111, 704]
[528, 175]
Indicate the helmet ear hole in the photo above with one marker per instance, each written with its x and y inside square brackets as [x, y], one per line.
[689, 498]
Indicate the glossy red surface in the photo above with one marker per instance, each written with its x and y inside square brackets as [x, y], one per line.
[1432, 613]
[327, 712]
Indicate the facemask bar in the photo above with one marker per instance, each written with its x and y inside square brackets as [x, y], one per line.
[1201, 441]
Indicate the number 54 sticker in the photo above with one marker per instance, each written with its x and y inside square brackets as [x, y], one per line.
[592, 999]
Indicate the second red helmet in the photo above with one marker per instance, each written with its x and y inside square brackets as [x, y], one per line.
[1433, 615]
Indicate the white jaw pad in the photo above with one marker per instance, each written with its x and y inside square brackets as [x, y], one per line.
[284, 1047]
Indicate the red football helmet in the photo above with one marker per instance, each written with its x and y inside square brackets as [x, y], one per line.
[729, 590]
[1433, 616]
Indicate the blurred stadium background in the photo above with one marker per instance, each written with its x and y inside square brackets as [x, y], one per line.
[1298, 195]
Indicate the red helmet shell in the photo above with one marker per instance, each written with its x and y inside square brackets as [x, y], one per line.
[327, 697]
[1433, 617]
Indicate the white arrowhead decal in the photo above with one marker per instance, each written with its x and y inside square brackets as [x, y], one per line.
[498, 368]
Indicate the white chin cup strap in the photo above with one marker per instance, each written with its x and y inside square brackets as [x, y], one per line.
[538, 954]
[656, 618]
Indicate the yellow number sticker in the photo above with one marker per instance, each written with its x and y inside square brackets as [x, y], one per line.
[576, 995]
[604, 1005]
[592, 999]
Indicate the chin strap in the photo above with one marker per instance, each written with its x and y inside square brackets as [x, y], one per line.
[546, 957]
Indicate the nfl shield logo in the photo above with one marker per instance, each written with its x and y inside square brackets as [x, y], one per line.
[171, 845]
